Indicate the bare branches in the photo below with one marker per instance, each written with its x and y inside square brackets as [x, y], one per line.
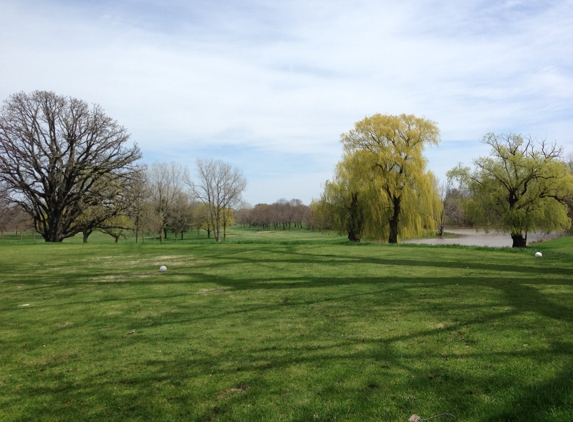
[220, 187]
[58, 157]
[166, 191]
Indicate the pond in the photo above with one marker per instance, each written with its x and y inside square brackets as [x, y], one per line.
[469, 237]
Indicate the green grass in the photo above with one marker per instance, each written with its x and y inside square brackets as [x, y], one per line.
[284, 328]
[235, 234]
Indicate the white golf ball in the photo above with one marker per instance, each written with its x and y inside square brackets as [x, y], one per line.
[538, 254]
[162, 269]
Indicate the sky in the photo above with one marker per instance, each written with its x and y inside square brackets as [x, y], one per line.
[269, 86]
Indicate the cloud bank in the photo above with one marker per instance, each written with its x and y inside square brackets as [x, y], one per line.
[270, 87]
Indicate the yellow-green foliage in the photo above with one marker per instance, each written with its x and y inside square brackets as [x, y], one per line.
[383, 169]
[521, 187]
[203, 217]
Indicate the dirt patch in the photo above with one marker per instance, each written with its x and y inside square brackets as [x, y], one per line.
[159, 259]
[230, 391]
[212, 291]
[109, 278]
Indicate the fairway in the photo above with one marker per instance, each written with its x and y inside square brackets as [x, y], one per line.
[272, 330]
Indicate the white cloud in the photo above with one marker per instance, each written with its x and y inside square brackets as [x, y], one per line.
[277, 83]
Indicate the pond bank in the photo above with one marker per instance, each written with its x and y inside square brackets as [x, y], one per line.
[469, 237]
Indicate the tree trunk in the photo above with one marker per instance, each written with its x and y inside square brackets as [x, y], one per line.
[442, 224]
[136, 229]
[51, 235]
[394, 222]
[518, 241]
[353, 237]
[217, 231]
[86, 234]
[355, 220]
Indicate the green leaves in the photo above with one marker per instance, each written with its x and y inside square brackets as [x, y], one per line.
[382, 184]
[520, 187]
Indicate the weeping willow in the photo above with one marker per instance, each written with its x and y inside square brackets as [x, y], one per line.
[345, 200]
[381, 188]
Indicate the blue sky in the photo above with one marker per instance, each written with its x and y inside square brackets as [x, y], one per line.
[270, 86]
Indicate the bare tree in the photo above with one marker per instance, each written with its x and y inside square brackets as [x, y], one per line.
[220, 187]
[58, 158]
[180, 214]
[299, 212]
[165, 184]
[243, 215]
[138, 203]
[8, 212]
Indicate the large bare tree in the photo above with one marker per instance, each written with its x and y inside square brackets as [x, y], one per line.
[59, 157]
[220, 187]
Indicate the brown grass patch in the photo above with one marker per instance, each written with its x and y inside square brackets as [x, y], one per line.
[229, 391]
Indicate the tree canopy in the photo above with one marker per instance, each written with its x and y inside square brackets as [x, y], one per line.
[381, 187]
[220, 187]
[521, 187]
[59, 157]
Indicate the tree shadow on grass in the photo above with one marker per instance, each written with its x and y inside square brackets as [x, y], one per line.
[436, 389]
[544, 400]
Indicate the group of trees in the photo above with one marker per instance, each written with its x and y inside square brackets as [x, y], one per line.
[282, 214]
[381, 188]
[66, 168]
[69, 169]
[12, 218]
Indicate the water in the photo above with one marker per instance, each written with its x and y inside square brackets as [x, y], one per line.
[469, 237]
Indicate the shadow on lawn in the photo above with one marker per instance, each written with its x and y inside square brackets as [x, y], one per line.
[542, 401]
[518, 292]
[135, 393]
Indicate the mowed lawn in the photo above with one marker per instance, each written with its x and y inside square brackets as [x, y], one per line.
[280, 331]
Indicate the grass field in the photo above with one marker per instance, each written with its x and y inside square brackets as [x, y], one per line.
[283, 326]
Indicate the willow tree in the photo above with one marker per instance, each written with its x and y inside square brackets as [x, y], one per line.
[344, 199]
[383, 160]
[522, 186]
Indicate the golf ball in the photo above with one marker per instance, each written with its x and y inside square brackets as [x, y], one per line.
[163, 268]
[538, 254]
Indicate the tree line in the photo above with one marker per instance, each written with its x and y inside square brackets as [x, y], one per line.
[281, 215]
[68, 169]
